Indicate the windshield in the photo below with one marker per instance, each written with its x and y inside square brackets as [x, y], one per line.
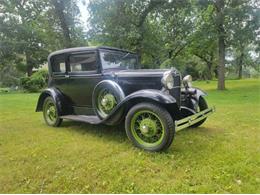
[118, 60]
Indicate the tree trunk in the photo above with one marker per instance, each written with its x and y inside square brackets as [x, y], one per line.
[240, 66]
[221, 66]
[221, 43]
[59, 9]
[209, 65]
[29, 71]
[29, 65]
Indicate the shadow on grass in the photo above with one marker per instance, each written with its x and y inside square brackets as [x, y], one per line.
[117, 135]
[112, 133]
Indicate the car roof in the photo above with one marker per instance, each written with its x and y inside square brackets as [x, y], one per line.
[79, 49]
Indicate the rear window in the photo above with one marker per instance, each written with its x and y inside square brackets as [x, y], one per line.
[58, 64]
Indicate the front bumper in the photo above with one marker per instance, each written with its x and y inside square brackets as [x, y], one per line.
[191, 120]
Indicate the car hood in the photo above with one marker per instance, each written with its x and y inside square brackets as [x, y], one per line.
[134, 80]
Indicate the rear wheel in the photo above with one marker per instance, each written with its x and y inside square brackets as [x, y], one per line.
[50, 113]
[106, 96]
[149, 127]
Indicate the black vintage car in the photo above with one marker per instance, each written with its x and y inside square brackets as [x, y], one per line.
[104, 85]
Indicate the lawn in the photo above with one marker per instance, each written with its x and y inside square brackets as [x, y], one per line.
[221, 156]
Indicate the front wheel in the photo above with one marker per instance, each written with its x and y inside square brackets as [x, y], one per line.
[50, 113]
[150, 127]
[202, 105]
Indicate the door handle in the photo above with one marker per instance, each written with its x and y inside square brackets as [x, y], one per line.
[67, 76]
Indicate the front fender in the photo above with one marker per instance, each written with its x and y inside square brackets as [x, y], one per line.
[151, 94]
[145, 95]
[57, 97]
[199, 93]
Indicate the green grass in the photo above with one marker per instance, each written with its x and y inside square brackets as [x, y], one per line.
[222, 156]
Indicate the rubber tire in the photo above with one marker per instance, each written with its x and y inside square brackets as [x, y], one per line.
[58, 120]
[165, 118]
[203, 106]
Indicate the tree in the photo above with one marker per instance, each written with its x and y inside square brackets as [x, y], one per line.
[122, 23]
[227, 17]
[21, 33]
[244, 25]
[65, 23]
[219, 7]
[204, 44]
[31, 29]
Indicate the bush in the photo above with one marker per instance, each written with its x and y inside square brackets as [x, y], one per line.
[4, 90]
[36, 82]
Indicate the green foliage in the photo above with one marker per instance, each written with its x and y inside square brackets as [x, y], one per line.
[36, 82]
[164, 33]
[171, 33]
[221, 156]
[4, 90]
[30, 29]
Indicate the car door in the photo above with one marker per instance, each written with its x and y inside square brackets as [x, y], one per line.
[83, 75]
[59, 72]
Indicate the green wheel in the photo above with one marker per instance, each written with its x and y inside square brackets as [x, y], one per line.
[106, 102]
[50, 114]
[106, 96]
[149, 127]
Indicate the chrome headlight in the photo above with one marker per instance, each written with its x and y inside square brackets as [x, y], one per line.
[187, 81]
[167, 80]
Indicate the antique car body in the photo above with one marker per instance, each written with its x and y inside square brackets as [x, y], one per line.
[105, 85]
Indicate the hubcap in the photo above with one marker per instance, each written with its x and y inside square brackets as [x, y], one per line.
[147, 128]
[50, 113]
[106, 102]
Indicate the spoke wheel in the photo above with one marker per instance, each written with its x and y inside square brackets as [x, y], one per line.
[106, 102]
[50, 112]
[149, 126]
[105, 99]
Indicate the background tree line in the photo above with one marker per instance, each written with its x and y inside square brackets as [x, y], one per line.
[205, 38]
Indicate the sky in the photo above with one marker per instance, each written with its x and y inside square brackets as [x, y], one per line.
[84, 13]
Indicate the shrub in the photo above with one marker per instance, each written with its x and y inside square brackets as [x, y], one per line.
[36, 82]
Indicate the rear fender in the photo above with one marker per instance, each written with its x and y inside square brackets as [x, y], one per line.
[57, 97]
[147, 95]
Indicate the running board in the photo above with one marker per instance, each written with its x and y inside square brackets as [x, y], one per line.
[83, 118]
[191, 120]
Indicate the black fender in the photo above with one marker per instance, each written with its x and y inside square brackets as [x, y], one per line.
[199, 93]
[57, 97]
[146, 95]
[196, 95]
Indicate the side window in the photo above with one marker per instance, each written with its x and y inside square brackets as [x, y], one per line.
[83, 62]
[58, 64]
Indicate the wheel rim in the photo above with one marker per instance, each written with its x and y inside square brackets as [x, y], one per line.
[106, 102]
[50, 113]
[147, 128]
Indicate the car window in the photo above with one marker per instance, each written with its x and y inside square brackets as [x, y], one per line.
[83, 62]
[58, 64]
[118, 59]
